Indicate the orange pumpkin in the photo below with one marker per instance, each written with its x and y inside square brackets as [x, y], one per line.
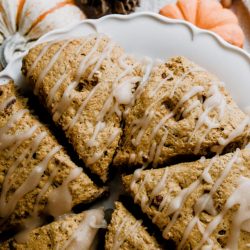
[23, 21]
[207, 14]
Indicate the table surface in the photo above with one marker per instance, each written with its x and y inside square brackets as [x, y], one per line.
[238, 8]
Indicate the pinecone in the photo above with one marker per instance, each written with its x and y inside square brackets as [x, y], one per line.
[95, 8]
[125, 6]
[98, 8]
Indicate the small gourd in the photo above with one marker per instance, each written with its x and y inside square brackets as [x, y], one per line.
[24, 21]
[207, 14]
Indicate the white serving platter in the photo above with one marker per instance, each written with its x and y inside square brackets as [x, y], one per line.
[148, 34]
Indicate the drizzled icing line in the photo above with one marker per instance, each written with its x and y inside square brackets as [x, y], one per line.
[119, 237]
[119, 85]
[12, 142]
[205, 202]
[86, 231]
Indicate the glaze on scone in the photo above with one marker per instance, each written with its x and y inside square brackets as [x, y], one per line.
[125, 232]
[182, 111]
[85, 85]
[36, 174]
[198, 204]
[70, 232]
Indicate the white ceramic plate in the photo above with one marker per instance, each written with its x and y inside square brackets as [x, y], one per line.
[147, 34]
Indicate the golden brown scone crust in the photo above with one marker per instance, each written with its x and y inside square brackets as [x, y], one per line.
[181, 176]
[180, 140]
[131, 238]
[82, 189]
[83, 130]
[51, 236]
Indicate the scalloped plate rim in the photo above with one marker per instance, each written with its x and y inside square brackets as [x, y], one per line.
[13, 70]
[194, 29]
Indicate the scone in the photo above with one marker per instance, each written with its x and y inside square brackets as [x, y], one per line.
[85, 84]
[36, 175]
[125, 232]
[73, 231]
[183, 112]
[198, 205]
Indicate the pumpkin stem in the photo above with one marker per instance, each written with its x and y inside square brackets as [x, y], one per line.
[10, 48]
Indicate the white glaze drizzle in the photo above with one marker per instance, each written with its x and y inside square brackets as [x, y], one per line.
[215, 101]
[83, 237]
[105, 54]
[62, 195]
[159, 85]
[132, 158]
[38, 58]
[35, 220]
[61, 80]
[51, 63]
[28, 185]
[87, 60]
[148, 64]
[63, 104]
[12, 141]
[81, 108]
[207, 199]
[192, 92]
[177, 83]
[204, 203]
[25, 135]
[66, 98]
[210, 244]
[98, 128]
[160, 185]
[55, 88]
[97, 155]
[141, 125]
[119, 237]
[8, 181]
[121, 94]
[4, 104]
[177, 203]
[241, 216]
[192, 106]
[7, 140]
[234, 134]
[65, 101]
[159, 148]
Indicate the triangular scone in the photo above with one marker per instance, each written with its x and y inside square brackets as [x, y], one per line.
[202, 203]
[183, 111]
[125, 232]
[36, 174]
[85, 84]
[69, 232]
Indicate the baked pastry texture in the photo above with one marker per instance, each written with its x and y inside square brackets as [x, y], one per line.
[125, 232]
[36, 174]
[70, 232]
[182, 111]
[198, 204]
[85, 85]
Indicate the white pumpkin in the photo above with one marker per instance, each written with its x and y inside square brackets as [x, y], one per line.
[24, 21]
